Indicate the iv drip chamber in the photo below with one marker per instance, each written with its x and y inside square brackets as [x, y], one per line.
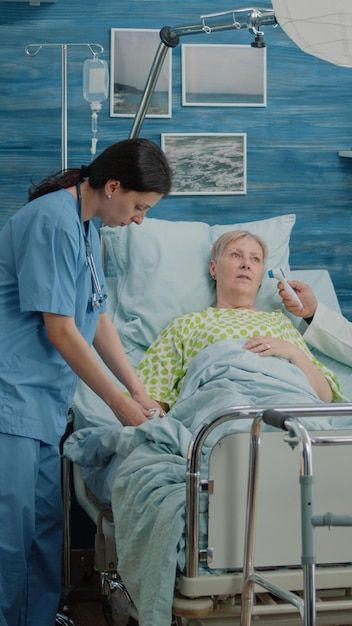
[95, 81]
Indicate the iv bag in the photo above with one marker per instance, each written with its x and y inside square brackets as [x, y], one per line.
[95, 80]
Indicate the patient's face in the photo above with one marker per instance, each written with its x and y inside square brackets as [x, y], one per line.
[240, 268]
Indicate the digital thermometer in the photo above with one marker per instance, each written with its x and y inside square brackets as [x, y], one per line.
[278, 273]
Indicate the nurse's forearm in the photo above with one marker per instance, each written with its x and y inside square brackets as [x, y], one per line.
[109, 347]
[66, 338]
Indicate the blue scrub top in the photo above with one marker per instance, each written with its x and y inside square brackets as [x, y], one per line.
[43, 268]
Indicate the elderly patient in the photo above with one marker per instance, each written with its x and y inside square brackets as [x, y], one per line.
[237, 266]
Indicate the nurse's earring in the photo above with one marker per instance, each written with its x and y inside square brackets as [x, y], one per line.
[108, 195]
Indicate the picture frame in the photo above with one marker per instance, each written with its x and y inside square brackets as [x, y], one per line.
[240, 83]
[129, 72]
[207, 163]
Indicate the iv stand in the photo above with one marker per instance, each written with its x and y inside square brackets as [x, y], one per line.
[237, 19]
[32, 50]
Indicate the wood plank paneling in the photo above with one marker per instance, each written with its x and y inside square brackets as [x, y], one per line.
[292, 143]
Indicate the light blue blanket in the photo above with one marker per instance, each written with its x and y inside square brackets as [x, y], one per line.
[149, 463]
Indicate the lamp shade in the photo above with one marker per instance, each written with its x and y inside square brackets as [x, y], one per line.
[322, 28]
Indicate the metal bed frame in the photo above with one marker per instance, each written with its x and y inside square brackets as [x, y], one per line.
[238, 596]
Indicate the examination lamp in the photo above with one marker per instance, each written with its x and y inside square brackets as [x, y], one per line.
[322, 28]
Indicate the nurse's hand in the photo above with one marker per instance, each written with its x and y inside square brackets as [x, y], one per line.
[129, 412]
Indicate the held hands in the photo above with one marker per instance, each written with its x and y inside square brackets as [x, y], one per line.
[136, 410]
[306, 296]
[129, 412]
[147, 403]
[271, 346]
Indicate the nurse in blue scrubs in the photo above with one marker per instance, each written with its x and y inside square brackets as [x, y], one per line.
[52, 309]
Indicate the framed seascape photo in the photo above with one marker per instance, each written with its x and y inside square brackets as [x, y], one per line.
[206, 164]
[223, 75]
[132, 53]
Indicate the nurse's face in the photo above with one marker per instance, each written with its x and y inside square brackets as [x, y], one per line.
[124, 207]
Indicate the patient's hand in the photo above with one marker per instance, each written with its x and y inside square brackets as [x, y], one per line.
[272, 346]
[146, 402]
[306, 296]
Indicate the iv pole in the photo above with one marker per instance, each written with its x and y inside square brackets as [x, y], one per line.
[237, 19]
[32, 50]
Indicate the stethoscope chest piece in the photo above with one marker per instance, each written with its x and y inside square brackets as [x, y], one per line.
[97, 295]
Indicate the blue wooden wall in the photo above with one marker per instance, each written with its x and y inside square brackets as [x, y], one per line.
[292, 143]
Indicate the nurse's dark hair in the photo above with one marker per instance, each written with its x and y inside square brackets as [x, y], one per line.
[138, 164]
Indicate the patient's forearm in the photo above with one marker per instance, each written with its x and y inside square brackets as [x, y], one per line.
[315, 376]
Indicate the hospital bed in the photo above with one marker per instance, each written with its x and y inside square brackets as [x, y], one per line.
[209, 586]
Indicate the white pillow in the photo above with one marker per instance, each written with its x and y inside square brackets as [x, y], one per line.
[162, 271]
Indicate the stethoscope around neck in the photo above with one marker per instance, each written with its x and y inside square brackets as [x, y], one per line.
[97, 295]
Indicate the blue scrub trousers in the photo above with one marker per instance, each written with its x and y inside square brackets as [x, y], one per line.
[30, 531]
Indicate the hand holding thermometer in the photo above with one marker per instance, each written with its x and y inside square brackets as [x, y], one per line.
[278, 273]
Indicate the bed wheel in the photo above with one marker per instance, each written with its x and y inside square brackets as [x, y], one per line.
[63, 620]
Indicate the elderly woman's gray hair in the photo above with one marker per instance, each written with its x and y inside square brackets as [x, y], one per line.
[223, 241]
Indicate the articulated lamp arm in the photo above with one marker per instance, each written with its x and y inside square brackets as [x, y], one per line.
[238, 19]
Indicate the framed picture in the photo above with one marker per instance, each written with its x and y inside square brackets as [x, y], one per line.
[132, 53]
[222, 75]
[207, 164]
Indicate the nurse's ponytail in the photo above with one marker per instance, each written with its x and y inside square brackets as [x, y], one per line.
[138, 164]
[60, 180]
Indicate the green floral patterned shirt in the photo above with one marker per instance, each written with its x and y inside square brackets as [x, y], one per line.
[165, 363]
